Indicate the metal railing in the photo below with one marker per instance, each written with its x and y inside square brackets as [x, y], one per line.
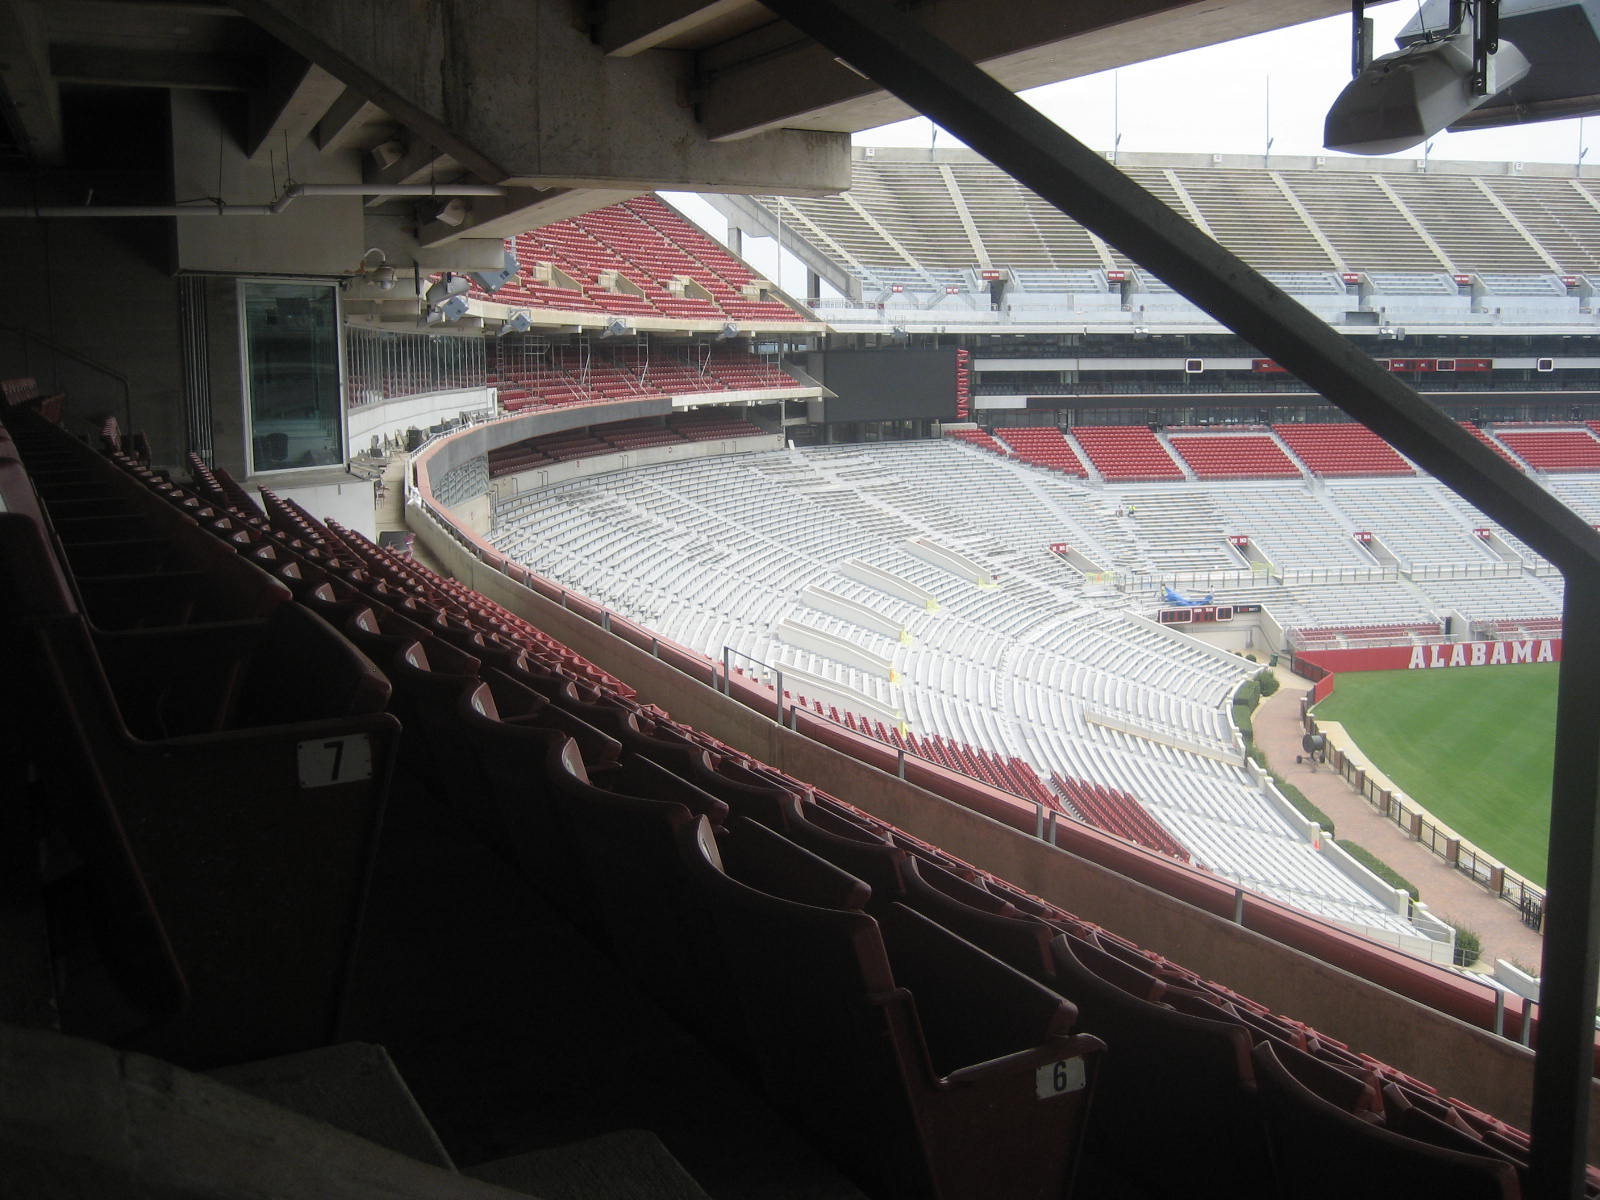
[30, 338]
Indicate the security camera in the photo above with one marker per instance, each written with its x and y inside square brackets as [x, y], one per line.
[1404, 98]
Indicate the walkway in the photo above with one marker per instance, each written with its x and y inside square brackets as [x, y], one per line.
[1450, 894]
[390, 512]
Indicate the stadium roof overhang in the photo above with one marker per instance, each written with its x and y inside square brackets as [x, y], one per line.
[563, 107]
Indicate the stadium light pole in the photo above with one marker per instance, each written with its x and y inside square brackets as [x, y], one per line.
[897, 53]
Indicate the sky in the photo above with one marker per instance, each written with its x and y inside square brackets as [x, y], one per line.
[1235, 97]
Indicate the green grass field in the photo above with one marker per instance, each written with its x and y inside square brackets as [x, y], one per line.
[1472, 746]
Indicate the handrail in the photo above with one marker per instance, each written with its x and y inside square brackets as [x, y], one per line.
[29, 335]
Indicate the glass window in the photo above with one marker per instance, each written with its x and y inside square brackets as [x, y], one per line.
[291, 336]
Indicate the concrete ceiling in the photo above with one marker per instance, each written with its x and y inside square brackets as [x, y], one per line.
[569, 105]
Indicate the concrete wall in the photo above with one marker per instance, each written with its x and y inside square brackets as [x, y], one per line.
[507, 486]
[312, 237]
[66, 269]
[387, 418]
[349, 501]
[1485, 1070]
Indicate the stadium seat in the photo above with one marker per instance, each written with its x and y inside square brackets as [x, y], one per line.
[944, 1094]
[1323, 1152]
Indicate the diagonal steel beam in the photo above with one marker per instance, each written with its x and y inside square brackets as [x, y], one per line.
[898, 54]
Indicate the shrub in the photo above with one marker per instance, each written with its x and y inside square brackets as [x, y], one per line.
[1241, 718]
[1381, 869]
[1266, 682]
[1468, 945]
[1248, 695]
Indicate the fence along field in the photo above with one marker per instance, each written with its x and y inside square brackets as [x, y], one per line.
[1473, 747]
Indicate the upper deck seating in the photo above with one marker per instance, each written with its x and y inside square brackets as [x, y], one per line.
[1554, 449]
[634, 258]
[1342, 449]
[1044, 446]
[1488, 441]
[1126, 452]
[979, 438]
[1234, 456]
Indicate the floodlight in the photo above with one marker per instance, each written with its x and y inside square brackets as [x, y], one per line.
[1404, 98]
[518, 322]
[453, 213]
[493, 281]
[443, 290]
[1560, 38]
[728, 332]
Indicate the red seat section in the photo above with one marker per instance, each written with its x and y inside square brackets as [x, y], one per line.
[1343, 448]
[1044, 446]
[1554, 449]
[980, 439]
[562, 376]
[638, 258]
[1120, 813]
[1130, 452]
[1491, 443]
[1234, 456]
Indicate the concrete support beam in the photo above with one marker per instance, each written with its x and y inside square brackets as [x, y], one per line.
[352, 122]
[105, 67]
[35, 109]
[775, 76]
[519, 209]
[518, 93]
[627, 27]
[298, 94]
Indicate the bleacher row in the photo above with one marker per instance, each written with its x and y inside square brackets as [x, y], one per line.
[1408, 232]
[637, 434]
[1133, 453]
[568, 376]
[915, 1016]
[671, 269]
[1117, 812]
[1008, 773]
[723, 553]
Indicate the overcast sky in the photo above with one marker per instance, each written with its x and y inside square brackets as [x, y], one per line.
[1228, 92]
[1226, 99]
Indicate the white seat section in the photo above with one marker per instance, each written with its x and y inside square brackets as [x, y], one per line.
[1042, 665]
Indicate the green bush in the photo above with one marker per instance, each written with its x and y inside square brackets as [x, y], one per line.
[1248, 695]
[1378, 867]
[1266, 682]
[1241, 718]
[1468, 945]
